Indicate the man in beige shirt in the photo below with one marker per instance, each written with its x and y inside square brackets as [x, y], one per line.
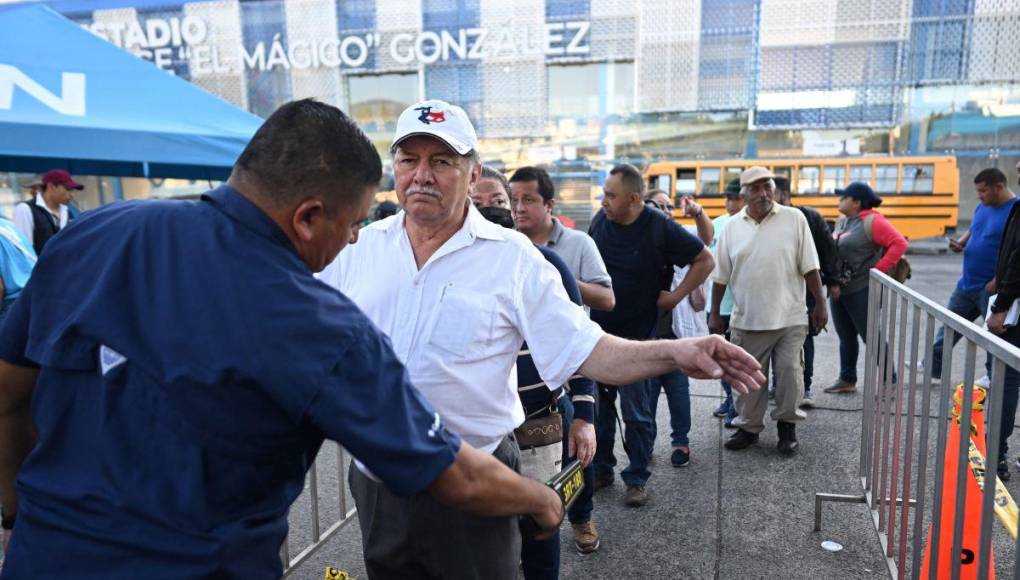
[766, 256]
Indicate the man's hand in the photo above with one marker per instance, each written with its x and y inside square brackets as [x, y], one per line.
[551, 516]
[667, 300]
[996, 324]
[956, 245]
[991, 286]
[834, 292]
[715, 323]
[712, 357]
[819, 317]
[581, 441]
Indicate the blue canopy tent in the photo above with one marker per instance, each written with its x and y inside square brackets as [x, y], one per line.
[71, 100]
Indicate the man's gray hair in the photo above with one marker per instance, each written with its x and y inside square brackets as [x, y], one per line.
[744, 191]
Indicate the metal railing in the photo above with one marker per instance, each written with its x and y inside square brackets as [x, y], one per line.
[901, 468]
[315, 510]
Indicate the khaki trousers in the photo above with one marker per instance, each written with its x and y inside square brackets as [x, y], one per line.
[786, 347]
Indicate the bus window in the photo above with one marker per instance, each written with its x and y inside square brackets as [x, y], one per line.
[917, 178]
[731, 174]
[860, 173]
[784, 171]
[710, 181]
[686, 181]
[886, 182]
[807, 182]
[661, 182]
[834, 177]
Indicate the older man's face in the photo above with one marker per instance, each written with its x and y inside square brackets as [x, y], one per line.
[432, 180]
[760, 195]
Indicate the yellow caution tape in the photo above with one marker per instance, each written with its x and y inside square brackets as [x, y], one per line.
[1003, 506]
[334, 574]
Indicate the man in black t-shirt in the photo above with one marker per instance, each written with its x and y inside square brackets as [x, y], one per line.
[640, 246]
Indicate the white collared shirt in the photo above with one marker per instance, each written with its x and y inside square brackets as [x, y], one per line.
[458, 323]
[24, 220]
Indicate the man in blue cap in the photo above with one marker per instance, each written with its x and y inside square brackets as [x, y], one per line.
[160, 422]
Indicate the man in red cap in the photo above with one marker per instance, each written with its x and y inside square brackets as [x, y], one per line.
[45, 215]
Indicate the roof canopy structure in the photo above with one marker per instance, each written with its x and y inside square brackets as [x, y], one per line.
[71, 100]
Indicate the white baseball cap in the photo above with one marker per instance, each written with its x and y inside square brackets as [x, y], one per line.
[439, 119]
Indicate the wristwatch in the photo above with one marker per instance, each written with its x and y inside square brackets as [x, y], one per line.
[6, 520]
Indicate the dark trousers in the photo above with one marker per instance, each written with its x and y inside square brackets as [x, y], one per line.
[639, 431]
[419, 537]
[850, 316]
[1011, 392]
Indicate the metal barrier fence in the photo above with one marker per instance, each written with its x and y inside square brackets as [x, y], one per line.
[901, 468]
[316, 509]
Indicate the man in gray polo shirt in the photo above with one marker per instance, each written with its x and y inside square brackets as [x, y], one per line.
[532, 203]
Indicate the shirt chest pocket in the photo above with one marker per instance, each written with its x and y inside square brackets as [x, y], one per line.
[464, 323]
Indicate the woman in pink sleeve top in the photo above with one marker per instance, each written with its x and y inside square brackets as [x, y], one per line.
[864, 240]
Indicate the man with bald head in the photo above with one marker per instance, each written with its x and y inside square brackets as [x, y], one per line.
[434, 279]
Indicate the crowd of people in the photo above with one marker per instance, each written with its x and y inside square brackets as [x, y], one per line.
[464, 347]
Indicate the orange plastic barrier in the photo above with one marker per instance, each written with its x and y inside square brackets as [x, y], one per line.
[972, 503]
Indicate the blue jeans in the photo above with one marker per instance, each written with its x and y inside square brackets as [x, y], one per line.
[850, 316]
[1011, 386]
[969, 305]
[639, 430]
[580, 511]
[678, 397]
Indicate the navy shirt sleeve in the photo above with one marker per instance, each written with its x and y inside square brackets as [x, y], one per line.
[369, 406]
[681, 246]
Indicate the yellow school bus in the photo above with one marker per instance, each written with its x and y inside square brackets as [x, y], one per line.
[920, 195]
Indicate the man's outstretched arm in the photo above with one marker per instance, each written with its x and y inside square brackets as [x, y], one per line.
[617, 361]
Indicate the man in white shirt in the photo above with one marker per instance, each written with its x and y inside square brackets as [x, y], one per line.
[457, 296]
[39, 219]
[765, 256]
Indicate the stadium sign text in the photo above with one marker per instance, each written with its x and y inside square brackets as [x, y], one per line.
[170, 41]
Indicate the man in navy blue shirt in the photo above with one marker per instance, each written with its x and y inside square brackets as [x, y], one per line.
[180, 396]
[640, 246]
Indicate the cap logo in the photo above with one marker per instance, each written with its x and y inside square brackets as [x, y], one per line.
[428, 117]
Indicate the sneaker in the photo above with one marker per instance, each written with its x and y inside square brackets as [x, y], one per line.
[841, 387]
[635, 496]
[601, 482]
[722, 410]
[586, 538]
[787, 438]
[728, 423]
[807, 402]
[680, 457]
[1003, 470]
[741, 440]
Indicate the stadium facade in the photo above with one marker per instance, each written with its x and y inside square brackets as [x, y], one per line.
[579, 84]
